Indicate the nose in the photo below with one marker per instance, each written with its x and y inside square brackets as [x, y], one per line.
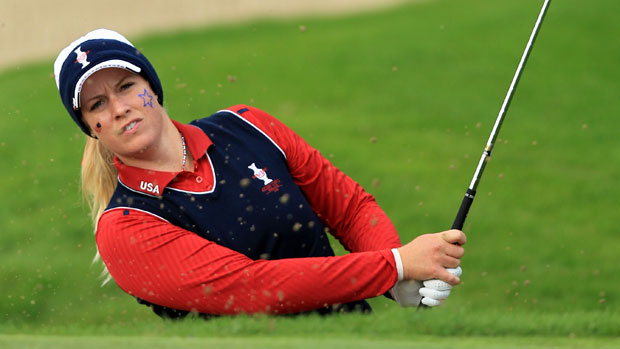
[119, 108]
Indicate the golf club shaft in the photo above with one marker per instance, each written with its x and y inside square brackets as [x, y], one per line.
[459, 221]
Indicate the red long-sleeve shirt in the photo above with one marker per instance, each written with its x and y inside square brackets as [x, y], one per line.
[169, 266]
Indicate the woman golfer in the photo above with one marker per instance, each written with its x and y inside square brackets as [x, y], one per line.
[228, 214]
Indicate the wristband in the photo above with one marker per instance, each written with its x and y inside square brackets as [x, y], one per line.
[399, 264]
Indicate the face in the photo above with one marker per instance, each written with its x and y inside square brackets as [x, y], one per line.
[122, 111]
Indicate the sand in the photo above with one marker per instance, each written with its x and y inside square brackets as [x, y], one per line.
[32, 30]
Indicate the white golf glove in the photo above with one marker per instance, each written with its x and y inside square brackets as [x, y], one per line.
[410, 293]
[435, 291]
[406, 293]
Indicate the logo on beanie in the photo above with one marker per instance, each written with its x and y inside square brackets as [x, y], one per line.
[81, 57]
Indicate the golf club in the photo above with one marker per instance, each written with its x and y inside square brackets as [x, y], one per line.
[486, 154]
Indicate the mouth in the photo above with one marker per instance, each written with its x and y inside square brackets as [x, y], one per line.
[130, 127]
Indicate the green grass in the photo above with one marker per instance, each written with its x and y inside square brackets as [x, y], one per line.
[50, 342]
[426, 82]
[387, 322]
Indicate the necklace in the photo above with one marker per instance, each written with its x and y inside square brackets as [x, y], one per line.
[184, 153]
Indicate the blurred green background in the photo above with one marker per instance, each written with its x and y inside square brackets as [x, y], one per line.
[403, 101]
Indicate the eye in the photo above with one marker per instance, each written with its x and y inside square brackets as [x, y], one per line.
[95, 105]
[126, 86]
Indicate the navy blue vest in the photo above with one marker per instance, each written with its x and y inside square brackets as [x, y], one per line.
[254, 208]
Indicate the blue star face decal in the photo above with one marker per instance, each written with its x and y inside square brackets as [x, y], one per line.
[147, 98]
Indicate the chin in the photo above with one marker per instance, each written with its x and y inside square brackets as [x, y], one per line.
[140, 145]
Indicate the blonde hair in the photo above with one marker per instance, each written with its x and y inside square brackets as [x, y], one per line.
[99, 179]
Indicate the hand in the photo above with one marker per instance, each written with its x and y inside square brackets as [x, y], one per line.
[410, 293]
[428, 256]
[435, 292]
[406, 293]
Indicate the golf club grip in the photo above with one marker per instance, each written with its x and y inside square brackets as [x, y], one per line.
[459, 221]
[460, 218]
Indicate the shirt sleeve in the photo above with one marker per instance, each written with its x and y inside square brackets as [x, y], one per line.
[172, 267]
[353, 215]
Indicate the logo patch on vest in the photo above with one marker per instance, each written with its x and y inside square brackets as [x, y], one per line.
[150, 187]
[270, 185]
